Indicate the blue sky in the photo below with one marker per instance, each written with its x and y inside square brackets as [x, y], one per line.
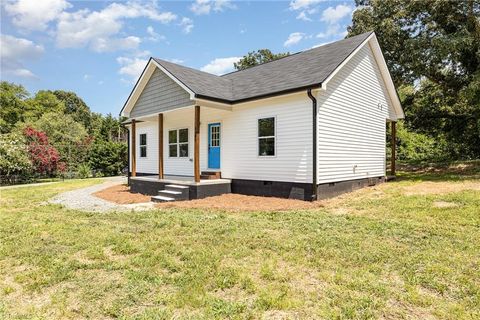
[99, 48]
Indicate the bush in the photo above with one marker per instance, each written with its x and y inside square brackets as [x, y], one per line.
[108, 157]
[417, 147]
[84, 171]
[14, 159]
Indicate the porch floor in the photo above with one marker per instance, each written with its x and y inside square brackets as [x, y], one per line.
[181, 180]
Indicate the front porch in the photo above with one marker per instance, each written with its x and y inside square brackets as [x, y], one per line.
[172, 187]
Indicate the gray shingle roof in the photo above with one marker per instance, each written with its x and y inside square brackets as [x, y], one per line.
[303, 69]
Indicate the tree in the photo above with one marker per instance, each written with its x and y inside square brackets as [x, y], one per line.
[43, 156]
[69, 137]
[433, 45]
[76, 107]
[108, 157]
[257, 57]
[13, 105]
[43, 102]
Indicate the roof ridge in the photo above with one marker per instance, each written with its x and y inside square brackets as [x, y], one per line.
[186, 67]
[290, 55]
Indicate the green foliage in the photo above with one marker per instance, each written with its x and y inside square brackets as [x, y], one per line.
[108, 157]
[43, 102]
[13, 105]
[75, 107]
[254, 58]
[13, 155]
[416, 147]
[84, 171]
[435, 45]
[70, 127]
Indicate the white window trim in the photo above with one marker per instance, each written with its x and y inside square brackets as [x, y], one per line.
[274, 137]
[141, 145]
[178, 143]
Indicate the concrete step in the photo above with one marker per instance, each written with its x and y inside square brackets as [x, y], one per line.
[162, 199]
[176, 186]
[178, 192]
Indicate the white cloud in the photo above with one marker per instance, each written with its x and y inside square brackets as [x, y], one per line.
[333, 15]
[132, 66]
[153, 35]
[97, 29]
[35, 14]
[220, 65]
[306, 8]
[14, 52]
[293, 38]
[186, 24]
[200, 7]
[302, 4]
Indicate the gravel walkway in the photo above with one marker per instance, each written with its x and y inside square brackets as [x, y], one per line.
[83, 199]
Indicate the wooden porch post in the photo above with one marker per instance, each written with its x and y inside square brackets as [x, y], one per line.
[160, 146]
[133, 150]
[196, 155]
[393, 146]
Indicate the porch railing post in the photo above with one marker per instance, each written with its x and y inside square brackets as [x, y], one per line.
[133, 150]
[196, 155]
[160, 146]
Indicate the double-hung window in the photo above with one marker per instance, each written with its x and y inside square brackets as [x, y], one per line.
[143, 145]
[178, 143]
[266, 137]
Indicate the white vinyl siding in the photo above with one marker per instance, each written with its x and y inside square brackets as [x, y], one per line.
[149, 163]
[293, 139]
[352, 121]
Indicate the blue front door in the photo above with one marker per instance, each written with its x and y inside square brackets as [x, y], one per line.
[214, 146]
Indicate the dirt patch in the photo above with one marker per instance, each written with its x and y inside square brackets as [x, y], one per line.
[426, 188]
[239, 202]
[444, 204]
[121, 194]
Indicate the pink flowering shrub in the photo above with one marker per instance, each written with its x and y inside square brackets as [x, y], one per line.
[44, 157]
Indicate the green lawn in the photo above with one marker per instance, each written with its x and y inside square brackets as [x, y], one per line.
[406, 249]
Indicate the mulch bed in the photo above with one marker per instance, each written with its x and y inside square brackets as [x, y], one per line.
[232, 202]
[121, 194]
[239, 202]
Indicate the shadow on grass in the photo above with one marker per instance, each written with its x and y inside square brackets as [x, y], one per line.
[452, 171]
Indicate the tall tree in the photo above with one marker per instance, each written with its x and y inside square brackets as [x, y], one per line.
[434, 45]
[76, 107]
[12, 105]
[258, 57]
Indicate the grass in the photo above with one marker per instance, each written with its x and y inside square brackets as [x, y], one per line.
[385, 252]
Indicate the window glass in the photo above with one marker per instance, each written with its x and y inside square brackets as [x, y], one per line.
[215, 136]
[178, 143]
[183, 135]
[183, 150]
[172, 136]
[266, 137]
[266, 127]
[143, 139]
[143, 145]
[266, 147]
[172, 150]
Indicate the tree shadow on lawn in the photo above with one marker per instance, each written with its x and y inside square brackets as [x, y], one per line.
[438, 172]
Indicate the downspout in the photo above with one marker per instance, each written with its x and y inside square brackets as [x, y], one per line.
[314, 144]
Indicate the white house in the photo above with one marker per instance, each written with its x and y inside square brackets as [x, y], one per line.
[309, 125]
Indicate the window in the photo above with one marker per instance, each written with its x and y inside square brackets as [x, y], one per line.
[178, 143]
[266, 137]
[143, 145]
